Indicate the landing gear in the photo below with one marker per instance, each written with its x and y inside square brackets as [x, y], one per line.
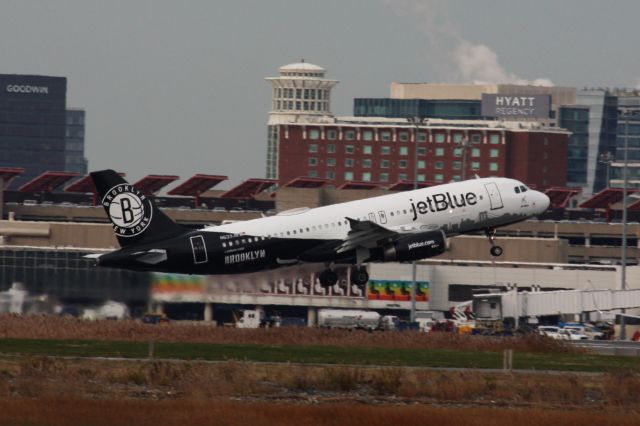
[328, 278]
[495, 250]
[359, 275]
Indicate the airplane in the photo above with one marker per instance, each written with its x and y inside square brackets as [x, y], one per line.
[399, 227]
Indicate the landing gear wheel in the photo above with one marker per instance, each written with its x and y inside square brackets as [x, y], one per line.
[328, 278]
[496, 251]
[359, 276]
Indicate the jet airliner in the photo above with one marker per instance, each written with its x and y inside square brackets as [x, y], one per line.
[400, 227]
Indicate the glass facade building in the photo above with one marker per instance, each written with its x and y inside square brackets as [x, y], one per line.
[405, 108]
[37, 132]
[66, 275]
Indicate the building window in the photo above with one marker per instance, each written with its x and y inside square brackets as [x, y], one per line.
[384, 164]
[332, 134]
[456, 178]
[439, 165]
[348, 149]
[348, 175]
[331, 149]
[331, 175]
[384, 177]
[476, 138]
[421, 164]
[366, 163]
[402, 164]
[494, 153]
[457, 137]
[313, 147]
[313, 161]
[385, 136]
[402, 176]
[422, 151]
[438, 177]
[422, 137]
[457, 152]
[494, 139]
[546, 141]
[475, 152]
[367, 150]
[421, 178]
[367, 135]
[349, 135]
[366, 176]
[313, 173]
[404, 150]
[475, 165]
[314, 134]
[403, 137]
[493, 167]
[385, 150]
[331, 162]
[348, 162]
[457, 165]
[439, 137]
[439, 152]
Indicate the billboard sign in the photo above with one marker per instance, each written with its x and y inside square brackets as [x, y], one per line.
[515, 106]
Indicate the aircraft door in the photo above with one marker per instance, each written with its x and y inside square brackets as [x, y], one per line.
[494, 196]
[372, 217]
[199, 249]
[383, 217]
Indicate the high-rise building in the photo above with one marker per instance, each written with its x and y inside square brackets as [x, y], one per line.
[306, 140]
[34, 129]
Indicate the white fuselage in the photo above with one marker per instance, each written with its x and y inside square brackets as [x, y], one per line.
[455, 208]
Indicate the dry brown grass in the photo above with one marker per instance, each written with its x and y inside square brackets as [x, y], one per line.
[53, 327]
[70, 411]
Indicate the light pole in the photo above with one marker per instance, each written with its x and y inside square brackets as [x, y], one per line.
[626, 113]
[416, 121]
[464, 144]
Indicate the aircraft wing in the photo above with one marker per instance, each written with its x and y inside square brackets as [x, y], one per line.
[365, 234]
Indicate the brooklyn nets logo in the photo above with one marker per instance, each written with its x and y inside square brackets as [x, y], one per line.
[129, 210]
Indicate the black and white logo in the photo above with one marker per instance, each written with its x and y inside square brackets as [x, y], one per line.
[129, 210]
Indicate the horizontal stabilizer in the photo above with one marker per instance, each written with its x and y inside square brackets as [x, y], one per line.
[152, 257]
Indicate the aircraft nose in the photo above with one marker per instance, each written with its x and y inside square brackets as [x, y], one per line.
[542, 202]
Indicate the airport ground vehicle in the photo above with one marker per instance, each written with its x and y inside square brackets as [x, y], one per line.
[561, 333]
[355, 319]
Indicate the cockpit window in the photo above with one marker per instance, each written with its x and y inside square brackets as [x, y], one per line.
[523, 188]
[517, 190]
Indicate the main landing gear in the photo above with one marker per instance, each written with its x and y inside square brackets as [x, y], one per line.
[328, 277]
[359, 276]
[495, 249]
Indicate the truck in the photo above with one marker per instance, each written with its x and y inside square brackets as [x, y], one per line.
[355, 319]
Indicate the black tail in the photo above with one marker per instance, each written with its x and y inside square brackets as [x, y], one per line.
[135, 217]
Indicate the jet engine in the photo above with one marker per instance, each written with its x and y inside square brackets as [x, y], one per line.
[416, 247]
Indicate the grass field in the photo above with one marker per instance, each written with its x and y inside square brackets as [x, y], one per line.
[49, 375]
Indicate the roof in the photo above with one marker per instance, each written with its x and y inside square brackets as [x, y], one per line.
[47, 181]
[84, 185]
[197, 184]
[8, 173]
[249, 188]
[301, 66]
[605, 198]
[358, 185]
[560, 196]
[408, 185]
[153, 183]
[306, 182]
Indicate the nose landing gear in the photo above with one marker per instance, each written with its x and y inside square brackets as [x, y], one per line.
[495, 250]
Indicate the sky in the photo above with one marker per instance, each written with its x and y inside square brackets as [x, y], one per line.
[178, 87]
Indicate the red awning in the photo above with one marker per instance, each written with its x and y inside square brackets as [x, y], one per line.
[358, 185]
[47, 182]
[560, 196]
[306, 182]
[153, 183]
[197, 184]
[408, 185]
[8, 173]
[249, 188]
[605, 198]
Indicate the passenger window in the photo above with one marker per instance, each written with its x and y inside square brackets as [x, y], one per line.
[391, 213]
[517, 190]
